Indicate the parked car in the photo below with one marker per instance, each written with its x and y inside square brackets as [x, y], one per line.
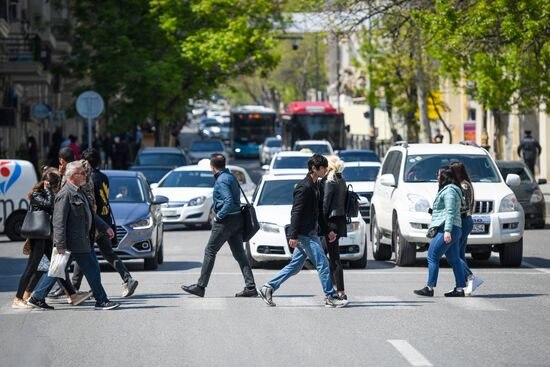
[139, 227]
[152, 174]
[161, 156]
[268, 149]
[407, 186]
[356, 155]
[289, 162]
[273, 202]
[17, 178]
[190, 189]
[201, 149]
[528, 192]
[316, 146]
[211, 129]
[361, 176]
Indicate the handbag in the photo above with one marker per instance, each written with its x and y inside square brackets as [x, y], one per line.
[44, 264]
[37, 225]
[352, 204]
[251, 224]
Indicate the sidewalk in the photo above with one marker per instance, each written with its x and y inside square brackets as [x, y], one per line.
[546, 192]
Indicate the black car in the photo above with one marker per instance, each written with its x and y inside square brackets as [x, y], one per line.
[528, 192]
[161, 156]
[153, 174]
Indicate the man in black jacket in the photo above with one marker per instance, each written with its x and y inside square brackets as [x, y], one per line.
[306, 216]
[529, 149]
[103, 210]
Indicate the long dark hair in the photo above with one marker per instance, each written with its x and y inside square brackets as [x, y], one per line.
[460, 171]
[51, 174]
[447, 177]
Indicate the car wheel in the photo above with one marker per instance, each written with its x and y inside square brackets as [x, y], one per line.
[481, 255]
[253, 263]
[380, 252]
[13, 226]
[511, 254]
[405, 252]
[151, 263]
[361, 263]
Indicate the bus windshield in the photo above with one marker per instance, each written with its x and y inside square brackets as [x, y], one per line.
[252, 127]
[328, 127]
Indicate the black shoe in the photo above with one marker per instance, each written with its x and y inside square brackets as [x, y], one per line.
[40, 304]
[266, 292]
[455, 293]
[59, 293]
[195, 289]
[426, 292]
[247, 293]
[107, 305]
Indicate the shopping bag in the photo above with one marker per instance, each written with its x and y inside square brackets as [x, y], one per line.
[44, 264]
[58, 263]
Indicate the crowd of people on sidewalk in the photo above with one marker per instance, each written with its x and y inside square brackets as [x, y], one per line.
[72, 196]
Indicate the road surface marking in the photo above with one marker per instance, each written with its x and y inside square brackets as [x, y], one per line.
[532, 266]
[195, 303]
[413, 356]
[366, 272]
[474, 304]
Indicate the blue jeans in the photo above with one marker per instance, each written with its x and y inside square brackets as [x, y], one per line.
[307, 247]
[437, 249]
[467, 226]
[90, 267]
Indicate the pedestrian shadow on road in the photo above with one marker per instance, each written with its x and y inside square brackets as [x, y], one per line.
[388, 304]
[155, 296]
[510, 295]
[165, 266]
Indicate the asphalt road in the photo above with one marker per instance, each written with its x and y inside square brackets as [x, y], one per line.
[505, 324]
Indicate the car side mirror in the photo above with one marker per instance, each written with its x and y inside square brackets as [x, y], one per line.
[389, 180]
[154, 186]
[363, 200]
[159, 199]
[513, 180]
[265, 167]
[542, 181]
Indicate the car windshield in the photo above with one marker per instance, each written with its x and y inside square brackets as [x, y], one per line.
[274, 143]
[360, 173]
[152, 174]
[163, 159]
[290, 162]
[359, 157]
[207, 146]
[212, 123]
[188, 179]
[125, 190]
[424, 168]
[522, 172]
[315, 148]
[278, 192]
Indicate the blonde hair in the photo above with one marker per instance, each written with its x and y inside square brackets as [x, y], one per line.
[335, 165]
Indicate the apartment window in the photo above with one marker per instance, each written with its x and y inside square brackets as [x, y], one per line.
[471, 114]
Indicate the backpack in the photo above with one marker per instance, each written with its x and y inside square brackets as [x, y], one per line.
[352, 204]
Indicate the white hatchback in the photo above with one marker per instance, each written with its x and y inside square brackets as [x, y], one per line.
[273, 202]
[406, 188]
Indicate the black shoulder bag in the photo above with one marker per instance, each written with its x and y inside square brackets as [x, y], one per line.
[251, 224]
[37, 225]
[352, 204]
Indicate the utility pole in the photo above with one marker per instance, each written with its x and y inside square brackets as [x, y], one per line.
[370, 86]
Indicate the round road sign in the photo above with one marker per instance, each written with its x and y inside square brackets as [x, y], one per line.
[89, 105]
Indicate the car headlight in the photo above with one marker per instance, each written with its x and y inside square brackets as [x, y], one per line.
[418, 203]
[197, 201]
[237, 150]
[509, 204]
[216, 130]
[536, 197]
[269, 227]
[142, 223]
[354, 226]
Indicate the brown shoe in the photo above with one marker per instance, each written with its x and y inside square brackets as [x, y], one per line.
[78, 298]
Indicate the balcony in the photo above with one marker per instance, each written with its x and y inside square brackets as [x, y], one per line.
[25, 59]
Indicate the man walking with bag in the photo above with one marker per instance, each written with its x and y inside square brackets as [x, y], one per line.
[306, 214]
[227, 227]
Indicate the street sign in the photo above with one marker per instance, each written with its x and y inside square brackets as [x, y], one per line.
[40, 111]
[89, 105]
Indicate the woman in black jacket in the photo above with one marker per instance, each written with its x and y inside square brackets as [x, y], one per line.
[334, 217]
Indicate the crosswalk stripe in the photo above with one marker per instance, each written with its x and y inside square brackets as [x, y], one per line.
[205, 303]
[474, 304]
[532, 266]
[413, 356]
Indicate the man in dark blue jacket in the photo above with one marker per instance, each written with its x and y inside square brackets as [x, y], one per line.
[227, 227]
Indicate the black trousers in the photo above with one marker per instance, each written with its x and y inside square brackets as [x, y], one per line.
[106, 248]
[30, 277]
[335, 265]
[531, 164]
[227, 230]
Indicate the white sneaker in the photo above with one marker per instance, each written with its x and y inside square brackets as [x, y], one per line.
[473, 283]
[19, 304]
[476, 283]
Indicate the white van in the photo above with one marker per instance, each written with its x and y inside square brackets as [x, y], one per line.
[17, 178]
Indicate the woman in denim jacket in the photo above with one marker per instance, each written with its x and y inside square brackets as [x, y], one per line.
[446, 224]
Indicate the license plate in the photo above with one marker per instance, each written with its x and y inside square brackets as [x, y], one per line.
[169, 212]
[481, 219]
[478, 228]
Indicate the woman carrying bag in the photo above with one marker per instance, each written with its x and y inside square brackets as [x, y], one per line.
[334, 190]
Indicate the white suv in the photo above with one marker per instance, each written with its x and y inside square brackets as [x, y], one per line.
[407, 185]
